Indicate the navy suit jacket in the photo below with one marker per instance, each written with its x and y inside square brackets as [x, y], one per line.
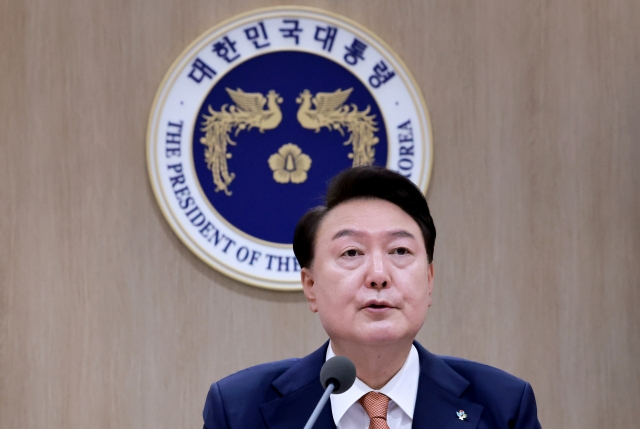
[282, 395]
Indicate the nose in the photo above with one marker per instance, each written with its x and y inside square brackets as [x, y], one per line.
[377, 272]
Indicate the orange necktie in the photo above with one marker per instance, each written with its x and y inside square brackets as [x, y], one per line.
[376, 404]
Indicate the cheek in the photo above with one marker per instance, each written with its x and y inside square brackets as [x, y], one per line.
[327, 294]
[415, 312]
[337, 296]
[335, 311]
[416, 295]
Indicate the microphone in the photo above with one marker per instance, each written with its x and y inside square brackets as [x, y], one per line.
[336, 376]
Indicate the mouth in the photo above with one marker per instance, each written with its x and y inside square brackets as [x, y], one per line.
[375, 305]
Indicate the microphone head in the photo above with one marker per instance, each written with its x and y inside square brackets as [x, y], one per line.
[340, 371]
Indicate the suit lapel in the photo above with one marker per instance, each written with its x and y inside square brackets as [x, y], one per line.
[439, 396]
[301, 390]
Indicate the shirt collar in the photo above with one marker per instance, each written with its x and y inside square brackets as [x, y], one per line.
[402, 388]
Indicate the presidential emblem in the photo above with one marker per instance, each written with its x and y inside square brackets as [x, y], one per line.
[258, 114]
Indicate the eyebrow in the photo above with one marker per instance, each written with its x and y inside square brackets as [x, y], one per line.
[346, 233]
[402, 233]
[351, 232]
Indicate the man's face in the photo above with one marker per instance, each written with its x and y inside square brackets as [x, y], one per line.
[370, 281]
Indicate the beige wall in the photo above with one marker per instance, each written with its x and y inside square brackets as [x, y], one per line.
[108, 321]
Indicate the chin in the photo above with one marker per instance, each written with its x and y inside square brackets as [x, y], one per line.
[382, 336]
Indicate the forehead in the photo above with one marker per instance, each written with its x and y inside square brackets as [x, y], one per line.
[366, 215]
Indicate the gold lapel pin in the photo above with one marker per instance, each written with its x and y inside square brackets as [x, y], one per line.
[461, 415]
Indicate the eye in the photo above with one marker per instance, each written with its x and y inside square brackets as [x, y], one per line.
[350, 253]
[401, 251]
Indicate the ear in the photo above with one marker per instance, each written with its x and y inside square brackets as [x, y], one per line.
[430, 283]
[306, 277]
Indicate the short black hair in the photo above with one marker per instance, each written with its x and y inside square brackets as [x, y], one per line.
[365, 182]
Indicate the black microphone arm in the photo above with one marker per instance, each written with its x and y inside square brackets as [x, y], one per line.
[336, 376]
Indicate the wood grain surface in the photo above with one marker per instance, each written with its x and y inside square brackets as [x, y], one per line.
[108, 321]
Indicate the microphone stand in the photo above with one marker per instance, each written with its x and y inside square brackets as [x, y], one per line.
[320, 406]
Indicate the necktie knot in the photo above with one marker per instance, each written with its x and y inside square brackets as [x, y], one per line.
[375, 404]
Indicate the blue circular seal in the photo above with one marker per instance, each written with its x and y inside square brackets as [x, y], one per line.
[257, 115]
[256, 203]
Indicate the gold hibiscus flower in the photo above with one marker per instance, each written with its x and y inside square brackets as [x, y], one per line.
[289, 164]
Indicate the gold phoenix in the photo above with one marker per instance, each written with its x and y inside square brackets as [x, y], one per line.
[330, 111]
[251, 110]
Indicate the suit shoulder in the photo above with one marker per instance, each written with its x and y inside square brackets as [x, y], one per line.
[508, 401]
[255, 377]
[485, 377]
[234, 400]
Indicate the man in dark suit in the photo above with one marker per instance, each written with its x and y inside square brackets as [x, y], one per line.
[366, 259]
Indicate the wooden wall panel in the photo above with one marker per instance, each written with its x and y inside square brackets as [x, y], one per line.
[107, 320]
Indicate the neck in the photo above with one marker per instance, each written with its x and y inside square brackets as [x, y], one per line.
[375, 365]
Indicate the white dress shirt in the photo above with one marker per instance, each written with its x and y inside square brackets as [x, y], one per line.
[402, 389]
